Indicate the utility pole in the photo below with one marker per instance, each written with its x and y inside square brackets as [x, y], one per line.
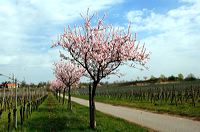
[4, 97]
[14, 80]
[29, 99]
[15, 85]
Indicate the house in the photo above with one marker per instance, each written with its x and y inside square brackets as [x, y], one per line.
[11, 85]
[8, 85]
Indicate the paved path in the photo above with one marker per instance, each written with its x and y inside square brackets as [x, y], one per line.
[159, 122]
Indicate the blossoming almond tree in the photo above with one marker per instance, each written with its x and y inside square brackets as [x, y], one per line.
[56, 85]
[69, 73]
[100, 49]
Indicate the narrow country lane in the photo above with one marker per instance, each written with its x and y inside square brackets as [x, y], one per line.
[160, 122]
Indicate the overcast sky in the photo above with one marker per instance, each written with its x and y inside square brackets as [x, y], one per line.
[169, 28]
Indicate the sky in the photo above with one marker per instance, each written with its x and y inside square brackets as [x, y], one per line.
[170, 30]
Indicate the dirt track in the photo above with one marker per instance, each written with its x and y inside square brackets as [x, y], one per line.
[160, 122]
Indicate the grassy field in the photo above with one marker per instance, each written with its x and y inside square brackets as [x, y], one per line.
[183, 110]
[53, 117]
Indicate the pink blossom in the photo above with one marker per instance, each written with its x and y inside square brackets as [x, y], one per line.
[56, 85]
[100, 49]
[68, 72]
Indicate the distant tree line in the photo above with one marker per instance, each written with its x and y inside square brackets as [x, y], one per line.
[152, 79]
[34, 85]
[24, 84]
[180, 77]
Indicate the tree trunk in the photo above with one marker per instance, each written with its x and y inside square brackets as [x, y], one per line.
[92, 105]
[92, 114]
[59, 95]
[64, 96]
[69, 98]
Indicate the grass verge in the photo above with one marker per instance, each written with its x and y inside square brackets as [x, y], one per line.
[54, 117]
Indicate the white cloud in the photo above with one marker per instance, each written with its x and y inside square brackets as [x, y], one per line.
[190, 1]
[27, 27]
[6, 59]
[172, 37]
[62, 10]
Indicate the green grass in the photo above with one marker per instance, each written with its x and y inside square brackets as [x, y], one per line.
[184, 110]
[4, 120]
[54, 117]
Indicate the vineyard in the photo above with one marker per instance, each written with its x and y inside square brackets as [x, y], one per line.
[177, 94]
[183, 95]
[18, 104]
[59, 63]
